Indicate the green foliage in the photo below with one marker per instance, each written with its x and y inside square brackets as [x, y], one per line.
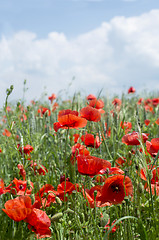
[136, 218]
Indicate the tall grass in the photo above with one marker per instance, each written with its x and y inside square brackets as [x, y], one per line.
[136, 217]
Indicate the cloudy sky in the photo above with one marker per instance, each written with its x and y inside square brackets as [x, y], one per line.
[90, 44]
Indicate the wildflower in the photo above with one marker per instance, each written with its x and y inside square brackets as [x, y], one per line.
[155, 101]
[108, 131]
[38, 168]
[55, 106]
[78, 149]
[39, 223]
[22, 171]
[26, 149]
[154, 179]
[121, 161]
[133, 138]
[19, 208]
[19, 187]
[6, 132]
[45, 111]
[52, 97]
[91, 97]
[8, 108]
[98, 104]
[91, 141]
[66, 187]
[116, 102]
[93, 197]
[108, 172]
[90, 165]
[126, 126]
[76, 137]
[107, 226]
[157, 121]
[45, 196]
[91, 114]
[69, 119]
[153, 146]
[147, 122]
[131, 90]
[116, 188]
[140, 101]
[63, 178]
[1, 187]
[23, 118]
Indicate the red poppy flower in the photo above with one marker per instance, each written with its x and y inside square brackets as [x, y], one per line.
[133, 138]
[19, 208]
[76, 137]
[126, 126]
[96, 103]
[69, 119]
[23, 118]
[66, 187]
[154, 180]
[6, 133]
[155, 174]
[19, 187]
[91, 114]
[39, 223]
[107, 226]
[107, 131]
[154, 189]
[78, 149]
[140, 101]
[52, 97]
[1, 187]
[45, 196]
[63, 178]
[26, 149]
[108, 172]
[155, 102]
[91, 97]
[131, 90]
[45, 111]
[157, 121]
[116, 188]
[89, 195]
[38, 168]
[22, 171]
[91, 141]
[55, 106]
[147, 122]
[153, 146]
[90, 165]
[116, 102]
[8, 108]
[121, 161]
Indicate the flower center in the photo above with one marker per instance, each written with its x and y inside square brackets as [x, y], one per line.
[115, 188]
[21, 186]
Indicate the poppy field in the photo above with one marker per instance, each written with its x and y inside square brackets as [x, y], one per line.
[83, 168]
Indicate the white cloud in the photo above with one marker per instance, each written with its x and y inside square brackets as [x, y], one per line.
[117, 54]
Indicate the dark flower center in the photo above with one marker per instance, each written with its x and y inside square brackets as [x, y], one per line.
[21, 187]
[115, 188]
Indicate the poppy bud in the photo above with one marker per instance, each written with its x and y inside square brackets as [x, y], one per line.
[104, 219]
[69, 211]
[140, 188]
[58, 201]
[56, 216]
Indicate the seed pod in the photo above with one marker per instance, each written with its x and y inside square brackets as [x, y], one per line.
[56, 216]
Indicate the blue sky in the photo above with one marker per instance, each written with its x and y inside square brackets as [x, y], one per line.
[109, 44]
